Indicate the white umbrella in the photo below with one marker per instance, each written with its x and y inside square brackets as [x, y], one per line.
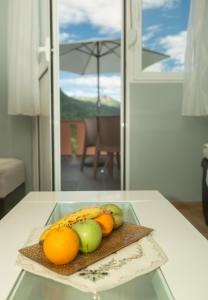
[101, 56]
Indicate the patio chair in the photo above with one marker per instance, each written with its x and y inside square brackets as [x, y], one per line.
[108, 140]
[90, 138]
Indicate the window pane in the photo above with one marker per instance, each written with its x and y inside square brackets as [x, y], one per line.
[164, 29]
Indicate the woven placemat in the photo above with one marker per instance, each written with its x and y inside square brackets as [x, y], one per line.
[119, 238]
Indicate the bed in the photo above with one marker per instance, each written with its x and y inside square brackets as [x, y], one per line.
[12, 183]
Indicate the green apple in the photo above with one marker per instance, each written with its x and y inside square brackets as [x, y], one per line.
[116, 212]
[90, 235]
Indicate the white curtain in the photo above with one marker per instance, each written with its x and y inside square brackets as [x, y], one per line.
[195, 100]
[23, 68]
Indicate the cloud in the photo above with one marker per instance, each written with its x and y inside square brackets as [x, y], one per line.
[105, 14]
[87, 85]
[158, 67]
[78, 93]
[63, 37]
[150, 32]
[92, 80]
[66, 37]
[151, 4]
[174, 46]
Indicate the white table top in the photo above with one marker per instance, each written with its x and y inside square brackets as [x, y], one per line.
[186, 270]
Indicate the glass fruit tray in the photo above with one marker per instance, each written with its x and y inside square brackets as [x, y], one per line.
[151, 286]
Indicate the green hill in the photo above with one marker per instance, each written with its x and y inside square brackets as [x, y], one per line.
[85, 107]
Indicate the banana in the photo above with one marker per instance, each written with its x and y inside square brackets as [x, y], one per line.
[75, 217]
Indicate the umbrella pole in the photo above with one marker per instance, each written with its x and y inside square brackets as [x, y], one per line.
[98, 79]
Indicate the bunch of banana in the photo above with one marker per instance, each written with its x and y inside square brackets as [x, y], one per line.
[75, 217]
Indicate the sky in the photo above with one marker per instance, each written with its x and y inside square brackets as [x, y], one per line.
[164, 26]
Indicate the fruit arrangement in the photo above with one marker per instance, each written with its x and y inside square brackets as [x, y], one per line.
[81, 231]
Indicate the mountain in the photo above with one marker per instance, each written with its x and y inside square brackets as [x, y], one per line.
[105, 100]
[85, 107]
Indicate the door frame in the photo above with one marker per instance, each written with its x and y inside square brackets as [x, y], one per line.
[55, 109]
[56, 152]
[123, 96]
[56, 96]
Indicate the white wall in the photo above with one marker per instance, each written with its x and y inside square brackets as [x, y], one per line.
[15, 132]
[165, 148]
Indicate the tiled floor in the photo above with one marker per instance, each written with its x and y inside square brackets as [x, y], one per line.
[75, 180]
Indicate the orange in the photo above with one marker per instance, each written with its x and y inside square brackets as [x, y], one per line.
[61, 245]
[106, 223]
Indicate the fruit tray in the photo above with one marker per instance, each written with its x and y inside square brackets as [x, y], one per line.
[106, 268]
[120, 238]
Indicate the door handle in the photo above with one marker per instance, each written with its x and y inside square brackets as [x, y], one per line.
[46, 50]
[132, 34]
[134, 20]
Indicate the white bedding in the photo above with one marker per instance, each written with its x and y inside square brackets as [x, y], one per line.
[12, 175]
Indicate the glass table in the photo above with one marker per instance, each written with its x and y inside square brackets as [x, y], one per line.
[151, 286]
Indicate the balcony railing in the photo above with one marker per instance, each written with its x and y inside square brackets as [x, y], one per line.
[72, 138]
